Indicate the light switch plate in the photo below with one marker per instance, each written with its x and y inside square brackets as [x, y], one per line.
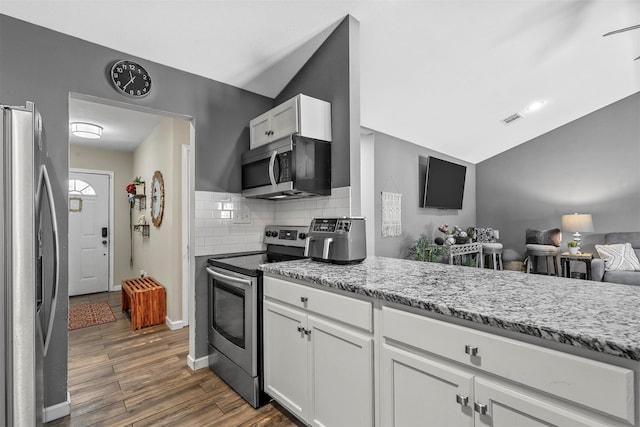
[242, 217]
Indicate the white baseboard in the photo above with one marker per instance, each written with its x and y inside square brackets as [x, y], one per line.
[199, 363]
[179, 324]
[116, 288]
[56, 411]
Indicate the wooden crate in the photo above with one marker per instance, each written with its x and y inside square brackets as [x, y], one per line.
[145, 299]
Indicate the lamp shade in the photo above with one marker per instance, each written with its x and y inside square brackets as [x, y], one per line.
[86, 130]
[577, 223]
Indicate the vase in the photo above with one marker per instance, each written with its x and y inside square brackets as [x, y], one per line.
[574, 250]
[140, 189]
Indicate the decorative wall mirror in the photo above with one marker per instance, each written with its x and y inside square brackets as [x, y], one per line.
[157, 198]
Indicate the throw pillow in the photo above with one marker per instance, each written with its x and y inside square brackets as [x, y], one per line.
[619, 257]
[485, 235]
[544, 237]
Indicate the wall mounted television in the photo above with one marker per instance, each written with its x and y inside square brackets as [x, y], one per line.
[444, 184]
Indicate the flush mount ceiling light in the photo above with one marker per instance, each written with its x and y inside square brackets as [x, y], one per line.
[86, 130]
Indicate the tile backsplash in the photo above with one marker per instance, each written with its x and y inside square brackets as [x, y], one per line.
[228, 222]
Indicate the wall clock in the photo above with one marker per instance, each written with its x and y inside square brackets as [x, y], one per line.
[130, 78]
[157, 198]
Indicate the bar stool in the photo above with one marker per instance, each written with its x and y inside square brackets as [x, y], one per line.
[495, 250]
[543, 243]
[547, 251]
[488, 237]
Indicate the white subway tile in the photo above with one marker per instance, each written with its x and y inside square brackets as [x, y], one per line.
[203, 195]
[221, 197]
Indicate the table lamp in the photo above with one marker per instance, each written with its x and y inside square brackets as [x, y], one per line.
[576, 223]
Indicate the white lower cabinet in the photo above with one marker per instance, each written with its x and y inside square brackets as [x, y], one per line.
[436, 373]
[319, 357]
[502, 406]
[319, 369]
[285, 358]
[420, 391]
[416, 391]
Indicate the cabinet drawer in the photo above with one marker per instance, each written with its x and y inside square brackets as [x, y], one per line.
[348, 310]
[596, 385]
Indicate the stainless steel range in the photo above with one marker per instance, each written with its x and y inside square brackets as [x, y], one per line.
[235, 309]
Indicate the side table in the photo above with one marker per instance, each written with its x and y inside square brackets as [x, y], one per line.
[566, 258]
[467, 249]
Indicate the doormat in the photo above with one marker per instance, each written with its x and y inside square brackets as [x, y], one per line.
[92, 314]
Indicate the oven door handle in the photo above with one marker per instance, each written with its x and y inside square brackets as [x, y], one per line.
[236, 280]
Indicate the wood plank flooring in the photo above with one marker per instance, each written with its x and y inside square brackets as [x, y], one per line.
[120, 377]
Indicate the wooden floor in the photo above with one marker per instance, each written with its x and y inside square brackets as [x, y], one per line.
[120, 377]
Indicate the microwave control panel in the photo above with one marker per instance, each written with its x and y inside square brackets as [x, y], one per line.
[331, 225]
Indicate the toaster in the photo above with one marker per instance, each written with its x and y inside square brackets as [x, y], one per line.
[337, 240]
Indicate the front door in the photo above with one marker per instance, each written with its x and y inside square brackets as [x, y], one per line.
[89, 233]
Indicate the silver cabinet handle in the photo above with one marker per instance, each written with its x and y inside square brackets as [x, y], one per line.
[480, 408]
[471, 350]
[462, 400]
[304, 300]
[304, 331]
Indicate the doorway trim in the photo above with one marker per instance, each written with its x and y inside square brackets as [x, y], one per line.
[187, 209]
[109, 174]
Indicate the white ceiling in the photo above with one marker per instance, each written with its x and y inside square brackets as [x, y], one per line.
[438, 73]
[122, 129]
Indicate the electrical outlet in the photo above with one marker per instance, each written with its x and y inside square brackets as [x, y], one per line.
[242, 217]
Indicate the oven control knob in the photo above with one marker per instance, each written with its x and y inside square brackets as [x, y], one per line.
[302, 236]
[267, 233]
[271, 233]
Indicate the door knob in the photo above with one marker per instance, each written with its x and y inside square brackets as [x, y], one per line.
[104, 242]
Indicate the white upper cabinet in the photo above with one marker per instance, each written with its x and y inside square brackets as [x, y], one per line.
[301, 114]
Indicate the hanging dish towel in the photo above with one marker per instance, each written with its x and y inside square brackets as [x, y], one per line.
[391, 214]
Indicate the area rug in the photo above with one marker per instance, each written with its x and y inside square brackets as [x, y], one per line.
[92, 314]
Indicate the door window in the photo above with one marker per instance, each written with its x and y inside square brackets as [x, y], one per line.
[80, 187]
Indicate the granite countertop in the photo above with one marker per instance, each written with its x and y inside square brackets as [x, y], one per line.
[597, 316]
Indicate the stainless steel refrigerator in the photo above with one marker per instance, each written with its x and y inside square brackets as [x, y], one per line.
[29, 261]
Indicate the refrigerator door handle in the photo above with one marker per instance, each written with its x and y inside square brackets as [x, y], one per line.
[45, 183]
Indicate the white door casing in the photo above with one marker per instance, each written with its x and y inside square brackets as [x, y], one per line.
[89, 251]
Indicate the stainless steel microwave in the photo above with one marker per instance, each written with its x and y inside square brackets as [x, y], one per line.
[291, 167]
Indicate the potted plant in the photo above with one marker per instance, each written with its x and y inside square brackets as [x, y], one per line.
[573, 247]
[425, 250]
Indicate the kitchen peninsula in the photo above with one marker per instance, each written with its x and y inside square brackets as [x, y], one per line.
[451, 344]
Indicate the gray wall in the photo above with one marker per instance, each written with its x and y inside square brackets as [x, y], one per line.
[397, 170]
[588, 166]
[43, 66]
[326, 76]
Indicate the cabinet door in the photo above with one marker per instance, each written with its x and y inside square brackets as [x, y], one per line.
[416, 391]
[340, 374]
[285, 357]
[284, 119]
[260, 130]
[508, 407]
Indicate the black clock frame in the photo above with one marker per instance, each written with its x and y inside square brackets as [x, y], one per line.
[130, 78]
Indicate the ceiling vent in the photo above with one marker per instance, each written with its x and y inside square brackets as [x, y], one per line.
[511, 119]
